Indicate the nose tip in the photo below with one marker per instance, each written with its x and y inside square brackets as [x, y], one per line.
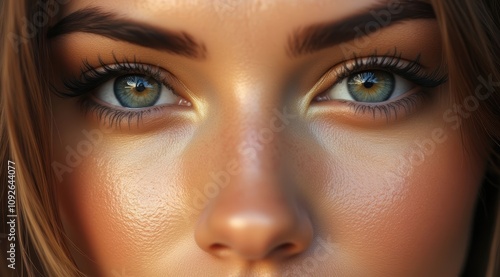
[275, 233]
[257, 236]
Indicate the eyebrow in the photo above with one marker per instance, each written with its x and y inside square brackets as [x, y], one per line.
[93, 20]
[323, 35]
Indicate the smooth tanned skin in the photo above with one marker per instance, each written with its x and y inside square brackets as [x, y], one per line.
[313, 191]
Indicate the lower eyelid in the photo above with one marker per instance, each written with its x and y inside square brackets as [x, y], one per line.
[359, 113]
[403, 106]
[118, 117]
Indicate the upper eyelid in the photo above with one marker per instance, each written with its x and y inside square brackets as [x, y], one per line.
[378, 63]
[412, 70]
[344, 69]
[391, 62]
[89, 74]
[121, 67]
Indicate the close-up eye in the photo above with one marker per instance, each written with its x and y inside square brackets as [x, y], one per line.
[379, 79]
[368, 86]
[136, 91]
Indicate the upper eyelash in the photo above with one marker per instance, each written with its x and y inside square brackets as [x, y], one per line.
[91, 77]
[393, 63]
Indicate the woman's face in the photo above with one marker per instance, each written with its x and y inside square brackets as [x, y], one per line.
[259, 138]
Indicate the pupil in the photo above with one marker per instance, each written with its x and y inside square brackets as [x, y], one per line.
[140, 87]
[368, 84]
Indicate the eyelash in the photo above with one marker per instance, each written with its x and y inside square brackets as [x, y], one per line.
[92, 77]
[391, 63]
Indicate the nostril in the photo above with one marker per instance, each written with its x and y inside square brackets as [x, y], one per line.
[282, 250]
[220, 250]
[244, 228]
[217, 247]
[286, 249]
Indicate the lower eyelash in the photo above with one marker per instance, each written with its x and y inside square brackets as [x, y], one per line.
[408, 104]
[412, 71]
[92, 77]
[114, 117]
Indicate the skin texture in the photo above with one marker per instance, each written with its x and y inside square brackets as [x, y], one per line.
[320, 189]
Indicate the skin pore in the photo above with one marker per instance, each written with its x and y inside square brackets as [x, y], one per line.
[258, 165]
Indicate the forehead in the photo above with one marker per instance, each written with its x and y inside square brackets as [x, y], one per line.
[195, 14]
[245, 25]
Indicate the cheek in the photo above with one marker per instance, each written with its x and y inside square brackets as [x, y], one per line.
[124, 200]
[396, 202]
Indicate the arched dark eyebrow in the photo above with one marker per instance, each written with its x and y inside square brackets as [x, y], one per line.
[95, 21]
[323, 35]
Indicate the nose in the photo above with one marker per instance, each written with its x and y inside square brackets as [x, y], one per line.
[254, 224]
[256, 216]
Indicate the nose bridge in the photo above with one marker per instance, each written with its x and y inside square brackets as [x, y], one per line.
[259, 141]
[251, 137]
[253, 124]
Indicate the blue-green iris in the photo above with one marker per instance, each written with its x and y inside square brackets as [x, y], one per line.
[371, 86]
[137, 91]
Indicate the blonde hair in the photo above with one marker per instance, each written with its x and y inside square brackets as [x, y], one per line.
[471, 39]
